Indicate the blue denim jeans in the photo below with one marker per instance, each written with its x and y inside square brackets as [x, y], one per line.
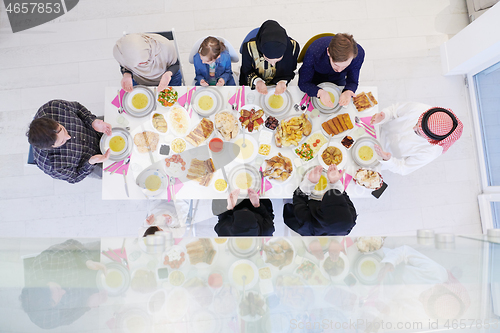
[175, 80]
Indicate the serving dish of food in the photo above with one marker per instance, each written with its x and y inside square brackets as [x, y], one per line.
[366, 268]
[334, 153]
[201, 132]
[278, 169]
[153, 181]
[363, 152]
[251, 118]
[159, 122]
[178, 145]
[140, 102]
[145, 140]
[311, 146]
[167, 97]
[335, 270]
[364, 101]
[311, 273]
[175, 257]
[119, 143]
[337, 126]
[368, 178]
[179, 121]
[279, 252]
[247, 153]
[276, 105]
[370, 244]
[292, 130]
[334, 92]
[201, 252]
[226, 124]
[252, 306]
[206, 101]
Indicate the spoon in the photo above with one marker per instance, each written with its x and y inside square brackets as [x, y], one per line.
[243, 144]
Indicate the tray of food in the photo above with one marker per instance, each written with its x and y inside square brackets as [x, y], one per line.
[333, 153]
[179, 121]
[167, 97]
[251, 118]
[292, 130]
[335, 270]
[337, 126]
[310, 148]
[200, 132]
[368, 178]
[226, 124]
[364, 101]
[278, 169]
[278, 252]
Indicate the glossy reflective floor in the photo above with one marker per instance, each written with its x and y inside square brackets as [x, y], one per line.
[71, 58]
[329, 284]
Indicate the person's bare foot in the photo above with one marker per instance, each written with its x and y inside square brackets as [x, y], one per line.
[254, 197]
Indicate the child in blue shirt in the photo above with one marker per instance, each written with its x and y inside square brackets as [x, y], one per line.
[212, 64]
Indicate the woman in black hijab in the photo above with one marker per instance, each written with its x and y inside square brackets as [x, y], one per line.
[248, 217]
[269, 59]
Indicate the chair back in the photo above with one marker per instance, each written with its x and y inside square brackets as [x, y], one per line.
[250, 35]
[309, 42]
[31, 157]
[196, 46]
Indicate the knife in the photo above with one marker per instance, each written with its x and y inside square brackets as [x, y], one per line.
[172, 187]
[147, 145]
[126, 185]
[226, 179]
[262, 183]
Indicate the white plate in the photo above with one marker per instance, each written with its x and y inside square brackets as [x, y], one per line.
[304, 140]
[248, 283]
[165, 116]
[141, 179]
[250, 170]
[366, 110]
[285, 153]
[249, 107]
[181, 249]
[341, 134]
[362, 277]
[139, 130]
[336, 278]
[122, 154]
[287, 120]
[243, 253]
[214, 94]
[342, 149]
[171, 122]
[274, 240]
[177, 304]
[138, 113]
[287, 100]
[361, 142]
[316, 195]
[248, 140]
[114, 268]
[335, 90]
[204, 264]
[175, 169]
[252, 318]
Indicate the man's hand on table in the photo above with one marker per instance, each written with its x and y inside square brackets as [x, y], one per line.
[377, 118]
[280, 88]
[127, 83]
[99, 158]
[261, 87]
[345, 97]
[165, 80]
[232, 199]
[102, 127]
[254, 198]
[324, 96]
[203, 83]
[150, 219]
[315, 174]
[384, 155]
[220, 82]
[333, 174]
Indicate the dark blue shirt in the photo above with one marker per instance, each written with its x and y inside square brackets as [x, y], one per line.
[316, 69]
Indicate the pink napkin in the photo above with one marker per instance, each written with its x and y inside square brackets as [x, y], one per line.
[177, 187]
[310, 106]
[182, 100]
[367, 120]
[267, 185]
[232, 99]
[346, 181]
[177, 240]
[115, 102]
[119, 167]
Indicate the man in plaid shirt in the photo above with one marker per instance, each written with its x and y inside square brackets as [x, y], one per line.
[65, 138]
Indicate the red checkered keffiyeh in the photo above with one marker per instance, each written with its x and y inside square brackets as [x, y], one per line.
[440, 123]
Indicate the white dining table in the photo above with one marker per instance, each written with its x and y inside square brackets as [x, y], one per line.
[113, 185]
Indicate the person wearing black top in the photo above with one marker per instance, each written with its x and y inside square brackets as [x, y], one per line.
[334, 215]
[248, 217]
[269, 59]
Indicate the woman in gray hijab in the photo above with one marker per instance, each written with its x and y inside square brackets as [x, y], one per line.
[147, 59]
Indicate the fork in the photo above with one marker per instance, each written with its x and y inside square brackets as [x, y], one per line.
[120, 109]
[362, 124]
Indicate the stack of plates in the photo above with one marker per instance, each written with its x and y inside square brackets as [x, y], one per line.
[276, 105]
[135, 112]
[207, 101]
[365, 142]
[116, 134]
[331, 88]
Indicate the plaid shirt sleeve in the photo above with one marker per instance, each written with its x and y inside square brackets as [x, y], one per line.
[69, 162]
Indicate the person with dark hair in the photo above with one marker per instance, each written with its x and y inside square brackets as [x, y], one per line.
[65, 137]
[336, 59]
[212, 64]
[333, 215]
[61, 284]
[414, 134]
[147, 59]
[248, 217]
[269, 59]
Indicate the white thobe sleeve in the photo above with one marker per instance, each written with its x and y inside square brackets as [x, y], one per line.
[405, 166]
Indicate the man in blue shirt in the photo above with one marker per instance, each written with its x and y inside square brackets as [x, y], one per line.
[336, 59]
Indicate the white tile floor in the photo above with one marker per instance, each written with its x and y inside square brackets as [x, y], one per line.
[71, 58]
